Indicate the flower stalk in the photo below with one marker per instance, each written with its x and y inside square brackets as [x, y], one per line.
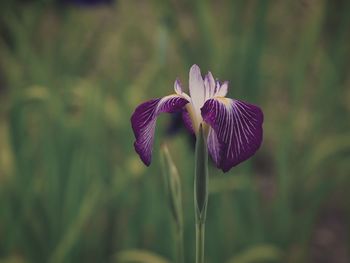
[201, 178]
[200, 242]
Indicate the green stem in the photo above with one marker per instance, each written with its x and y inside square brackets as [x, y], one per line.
[201, 178]
[200, 231]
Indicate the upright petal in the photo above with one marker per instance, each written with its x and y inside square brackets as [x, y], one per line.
[221, 89]
[209, 84]
[179, 91]
[196, 87]
[143, 122]
[238, 127]
[178, 87]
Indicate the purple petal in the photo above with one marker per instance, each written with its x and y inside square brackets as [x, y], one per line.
[214, 147]
[187, 121]
[238, 128]
[143, 122]
[209, 85]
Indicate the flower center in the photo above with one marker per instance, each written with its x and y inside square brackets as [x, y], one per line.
[195, 115]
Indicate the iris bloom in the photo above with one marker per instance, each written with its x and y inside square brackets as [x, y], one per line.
[233, 127]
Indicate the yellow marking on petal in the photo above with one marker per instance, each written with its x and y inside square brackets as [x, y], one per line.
[223, 100]
[205, 129]
[171, 95]
[190, 111]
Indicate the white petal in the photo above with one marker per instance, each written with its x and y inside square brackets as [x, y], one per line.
[222, 90]
[209, 84]
[196, 86]
[178, 87]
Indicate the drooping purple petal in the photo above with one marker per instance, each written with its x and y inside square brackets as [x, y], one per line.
[143, 122]
[238, 127]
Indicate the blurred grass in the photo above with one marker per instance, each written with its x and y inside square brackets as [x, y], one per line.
[73, 189]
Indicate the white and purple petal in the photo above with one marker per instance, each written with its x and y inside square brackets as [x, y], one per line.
[179, 90]
[209, 84]
[238, 129]
[187, 121]
[214, 147]
[143, 122]
[178, 87]
[197, 90]
[221, 89]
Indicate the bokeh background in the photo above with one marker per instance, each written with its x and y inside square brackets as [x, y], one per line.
[72, 189]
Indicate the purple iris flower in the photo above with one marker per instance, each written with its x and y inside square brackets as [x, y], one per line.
[233, 127]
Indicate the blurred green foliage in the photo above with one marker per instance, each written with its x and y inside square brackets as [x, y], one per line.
[72, 189]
